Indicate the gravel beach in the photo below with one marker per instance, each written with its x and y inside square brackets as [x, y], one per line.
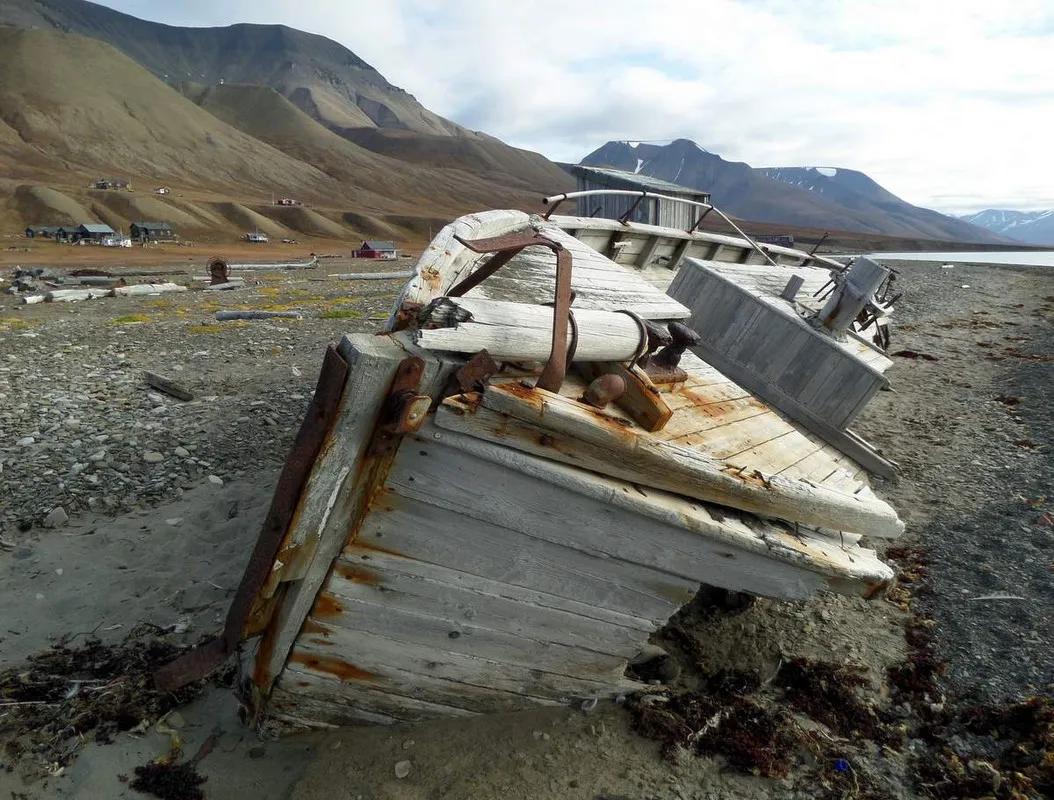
[120, 504]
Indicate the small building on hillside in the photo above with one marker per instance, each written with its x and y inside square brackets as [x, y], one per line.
[110, 184]
[375, 248]
[87, 232]
[152, 232]
[255, 237]
[287, 201]
[162, 190]
[42, 231]
[648, 210]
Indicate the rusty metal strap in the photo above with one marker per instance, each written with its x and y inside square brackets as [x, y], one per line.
[507, 247]
[199, 662]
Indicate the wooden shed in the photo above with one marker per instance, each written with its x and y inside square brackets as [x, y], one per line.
[152, 232]
[650, 210]
[376, 248]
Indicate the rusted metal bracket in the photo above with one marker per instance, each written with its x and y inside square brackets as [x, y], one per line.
[404, 410]
[505, 248]
[477, 371]
[314, 430]
[663, 366]
[624, 219]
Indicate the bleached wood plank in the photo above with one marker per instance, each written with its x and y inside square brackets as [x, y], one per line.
[616, 451]
[413, 524]
[337, 491]
[471, 639]
[856, 571]
[695, 419]
[378, 563]
[436, 597]
[380, 659]
[523, 332]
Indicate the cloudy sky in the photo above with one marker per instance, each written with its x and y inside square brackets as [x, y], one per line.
[947, 103]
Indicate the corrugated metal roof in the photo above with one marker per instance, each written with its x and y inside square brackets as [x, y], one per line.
[379, 245]
[153, 226]
[635, 180]
[97, 228]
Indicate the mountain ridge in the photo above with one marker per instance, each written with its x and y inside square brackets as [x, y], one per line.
[848, 200]
[1030, 227]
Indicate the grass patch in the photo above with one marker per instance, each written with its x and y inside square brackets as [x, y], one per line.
[130, 319]
[270, 291]
[14, 324]
[346, 313]
[159, 302]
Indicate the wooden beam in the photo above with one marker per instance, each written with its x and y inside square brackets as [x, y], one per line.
[598, 442]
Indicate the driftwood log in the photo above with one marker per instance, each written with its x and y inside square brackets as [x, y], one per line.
[167, 386]
[224, 316]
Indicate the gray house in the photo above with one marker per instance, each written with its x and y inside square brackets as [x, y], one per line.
[649, 210]
[152, 232]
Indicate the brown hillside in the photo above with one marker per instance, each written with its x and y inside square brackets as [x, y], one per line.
[376, 180]
[475, 153]
[40, 205]
[87, 105]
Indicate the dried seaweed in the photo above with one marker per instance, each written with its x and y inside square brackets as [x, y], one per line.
[169, 781]
[750, 738]
[65, 694]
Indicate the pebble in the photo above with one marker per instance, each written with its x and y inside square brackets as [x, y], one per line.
[402, 769]
[153, 457]
[56, 518]
[215, 479]
[25, 441]
[155, 399]
[182, 452]
[174, 521]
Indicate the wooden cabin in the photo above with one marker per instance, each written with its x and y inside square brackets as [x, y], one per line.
[376, 248]
[152, 232]
[649, 210]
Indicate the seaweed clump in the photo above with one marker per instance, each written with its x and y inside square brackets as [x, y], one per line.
[750, 738]
[67, 693]
[827, 693]
[169, 781]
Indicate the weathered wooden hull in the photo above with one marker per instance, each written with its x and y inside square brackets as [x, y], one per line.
[470, 545]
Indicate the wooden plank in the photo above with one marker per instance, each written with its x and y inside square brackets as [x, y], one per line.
[413, 524]
[377, 561]
[338, 490]
[435, 595]
[382, 661]
[623, 453]
[648, 251]
[617, 523]
[706, 526]
[694, 419]
[471, 639]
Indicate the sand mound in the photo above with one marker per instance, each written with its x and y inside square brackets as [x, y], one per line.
[419, 227]
[110, 217]
[306, 221]
[372, 227]
[245, 219]
[39, 205]
[137, 208]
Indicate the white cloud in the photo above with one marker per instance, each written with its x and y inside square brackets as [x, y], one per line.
[947, 103]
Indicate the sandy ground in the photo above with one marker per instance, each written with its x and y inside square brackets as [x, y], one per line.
[970, 489]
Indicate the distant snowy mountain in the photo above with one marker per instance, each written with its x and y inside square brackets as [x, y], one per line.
[1034, 227]
[817, 197]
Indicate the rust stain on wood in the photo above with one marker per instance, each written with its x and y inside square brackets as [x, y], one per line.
[331, 665]
[357, 574]
[313, 626]
[326, 606]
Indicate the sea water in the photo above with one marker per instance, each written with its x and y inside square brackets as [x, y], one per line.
[1033, 258]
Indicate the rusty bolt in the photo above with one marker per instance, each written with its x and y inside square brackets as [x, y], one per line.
[605, 389]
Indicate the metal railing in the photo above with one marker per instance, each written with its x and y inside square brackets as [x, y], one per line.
[555, 200]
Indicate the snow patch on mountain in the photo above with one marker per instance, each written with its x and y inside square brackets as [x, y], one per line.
[827, 172]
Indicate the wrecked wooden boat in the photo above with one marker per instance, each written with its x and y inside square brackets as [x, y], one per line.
[493, 504]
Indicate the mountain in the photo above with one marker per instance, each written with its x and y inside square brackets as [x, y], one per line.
[828, 198]
[322, 78]
[1033, 227]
